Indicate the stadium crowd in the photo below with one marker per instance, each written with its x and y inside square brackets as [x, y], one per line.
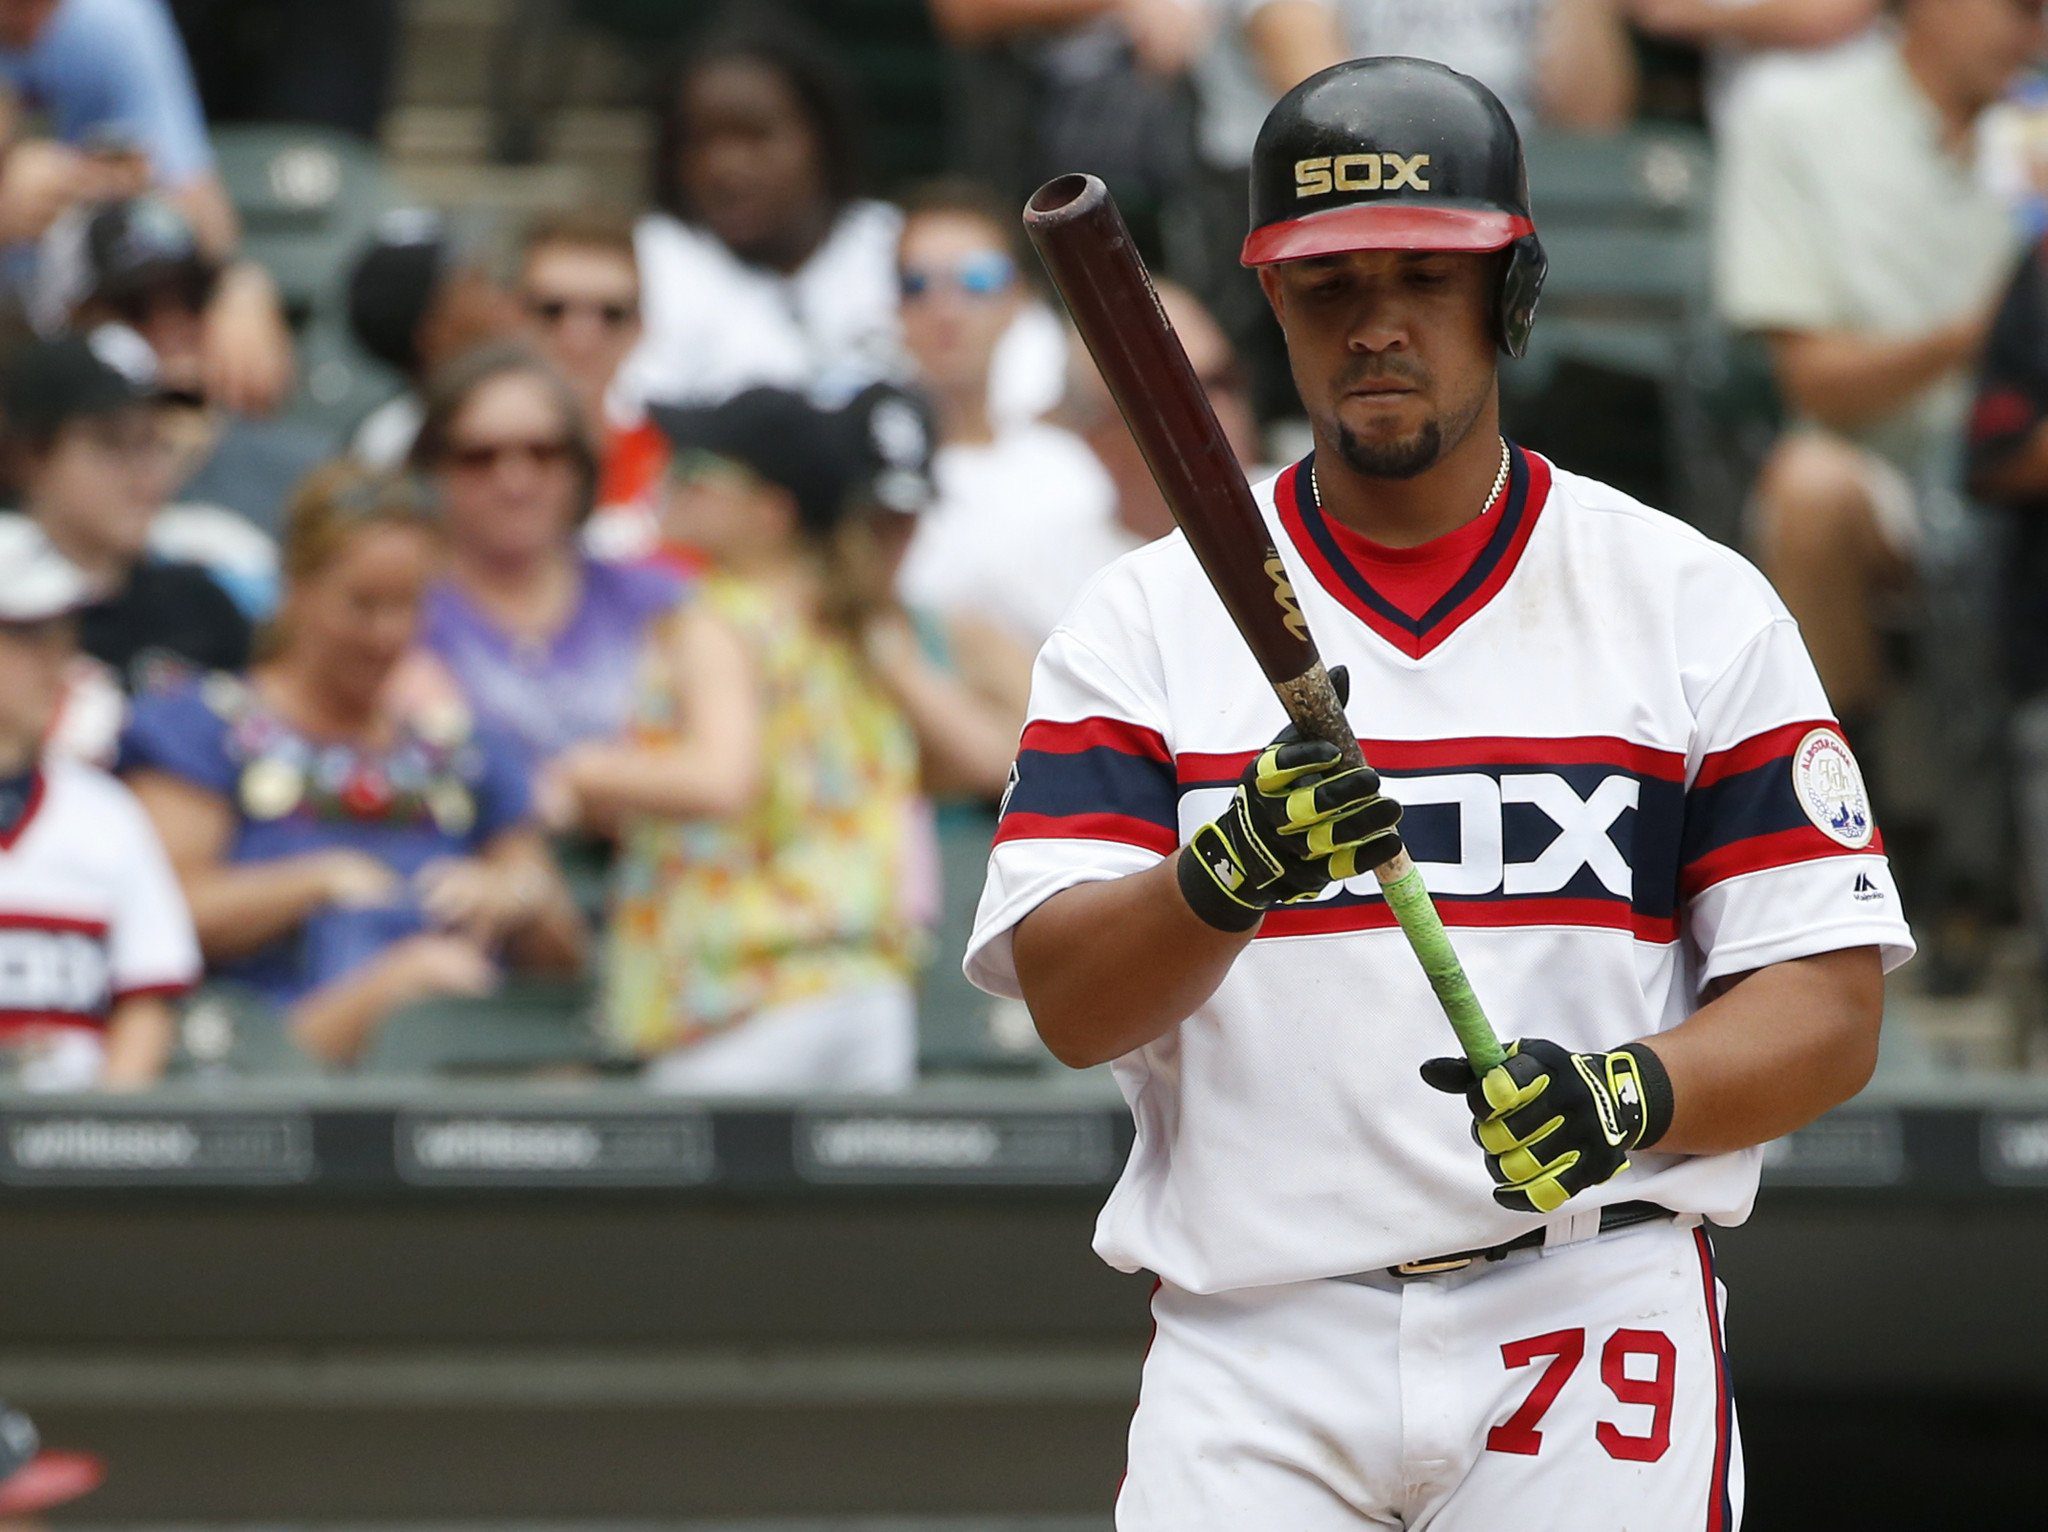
[661, 642]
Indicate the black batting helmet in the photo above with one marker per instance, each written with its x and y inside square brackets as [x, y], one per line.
[1397, 154]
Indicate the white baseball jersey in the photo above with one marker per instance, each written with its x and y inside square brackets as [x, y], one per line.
[90, 912]
[1621, 779]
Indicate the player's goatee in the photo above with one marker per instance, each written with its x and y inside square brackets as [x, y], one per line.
[1402, 459]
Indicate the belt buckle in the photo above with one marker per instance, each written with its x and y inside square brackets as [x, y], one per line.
[1430, 1268]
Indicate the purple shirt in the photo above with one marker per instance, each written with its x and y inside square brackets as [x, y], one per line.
[548, 694]
[436, 792]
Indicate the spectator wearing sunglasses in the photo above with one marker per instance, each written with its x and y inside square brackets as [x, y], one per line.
[540, 636]
[88, 456]
[999, 482]
[350, 838]
[579, 293]
[137, 263]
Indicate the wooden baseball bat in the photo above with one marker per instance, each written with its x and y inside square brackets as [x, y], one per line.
[1079, 234]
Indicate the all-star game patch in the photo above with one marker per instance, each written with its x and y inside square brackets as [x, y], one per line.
[1830, 788]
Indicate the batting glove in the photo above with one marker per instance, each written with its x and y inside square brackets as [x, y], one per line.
[1300, 821]
[1553, 1122]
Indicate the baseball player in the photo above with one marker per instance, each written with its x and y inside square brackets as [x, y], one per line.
[94, 935]
[1391, 1294]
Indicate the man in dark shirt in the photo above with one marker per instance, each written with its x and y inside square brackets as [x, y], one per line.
[91, 469]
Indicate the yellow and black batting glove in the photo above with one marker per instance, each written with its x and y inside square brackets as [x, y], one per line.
[1300, 821]
[1553, 1122]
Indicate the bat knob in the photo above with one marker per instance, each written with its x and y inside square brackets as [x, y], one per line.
[1063, 199]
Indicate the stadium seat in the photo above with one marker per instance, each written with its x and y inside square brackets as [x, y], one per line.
[308, 198]
[955, 1034]
[528, 1025]
[226, 1031]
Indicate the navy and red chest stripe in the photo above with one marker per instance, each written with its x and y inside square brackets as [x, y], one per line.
[1587, 831]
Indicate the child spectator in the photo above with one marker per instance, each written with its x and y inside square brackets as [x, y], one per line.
[579, 289]
[90, 461]
[137, 263]
[541, 637]
[350, 840]
[776, 858]
[94, 935]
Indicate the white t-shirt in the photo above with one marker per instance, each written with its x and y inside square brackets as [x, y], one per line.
[1838, 208]
[1621, 781]
[993, 535]
[90, 915]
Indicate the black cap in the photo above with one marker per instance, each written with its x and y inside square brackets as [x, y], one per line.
[45, 384]
[1396, 154]
[115, 252]
[1386, 154]
[892, 440]
[393, 283]
[783, 438]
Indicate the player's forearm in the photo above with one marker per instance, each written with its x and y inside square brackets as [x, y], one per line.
[1772, 1052]
[139, 1037]
[1109, 967]
[1845, 381]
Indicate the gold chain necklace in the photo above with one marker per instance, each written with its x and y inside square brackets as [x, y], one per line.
[1315, 487]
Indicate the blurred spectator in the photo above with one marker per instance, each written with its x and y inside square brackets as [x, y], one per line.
[541, 637]
[350, 840]
[961, 290]
[2009, 468]
[1740, 36]
[1856, 240]
[579, 288]
[762, 263]
[94, 935]
[89, 456]
[111, 79]
[777, 863]
[307, 61]
[1032, 577]
[137, 262]
[416, 302]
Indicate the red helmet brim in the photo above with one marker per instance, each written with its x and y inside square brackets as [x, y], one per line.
[1383, 226]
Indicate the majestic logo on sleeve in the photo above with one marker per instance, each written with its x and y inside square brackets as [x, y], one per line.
[1830, 788]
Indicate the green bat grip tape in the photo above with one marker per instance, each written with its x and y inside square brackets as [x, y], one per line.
[1424, 929]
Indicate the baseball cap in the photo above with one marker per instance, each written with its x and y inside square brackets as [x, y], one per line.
[780, 436]
[46, 384]
[393, 282]
[116, 252]
[892, 442]
[37, 582]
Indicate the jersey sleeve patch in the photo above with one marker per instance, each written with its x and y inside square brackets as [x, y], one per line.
[1788, 795]
[1094, 779]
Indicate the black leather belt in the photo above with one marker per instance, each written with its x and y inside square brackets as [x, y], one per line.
[1620, 1215]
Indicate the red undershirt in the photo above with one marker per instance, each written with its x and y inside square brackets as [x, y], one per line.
[1415, 579]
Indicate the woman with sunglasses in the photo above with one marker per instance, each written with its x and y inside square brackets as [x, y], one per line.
[540, 636]
[349, 839]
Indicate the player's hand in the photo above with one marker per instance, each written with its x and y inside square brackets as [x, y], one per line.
[1299, 821]
[1553, 1122]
